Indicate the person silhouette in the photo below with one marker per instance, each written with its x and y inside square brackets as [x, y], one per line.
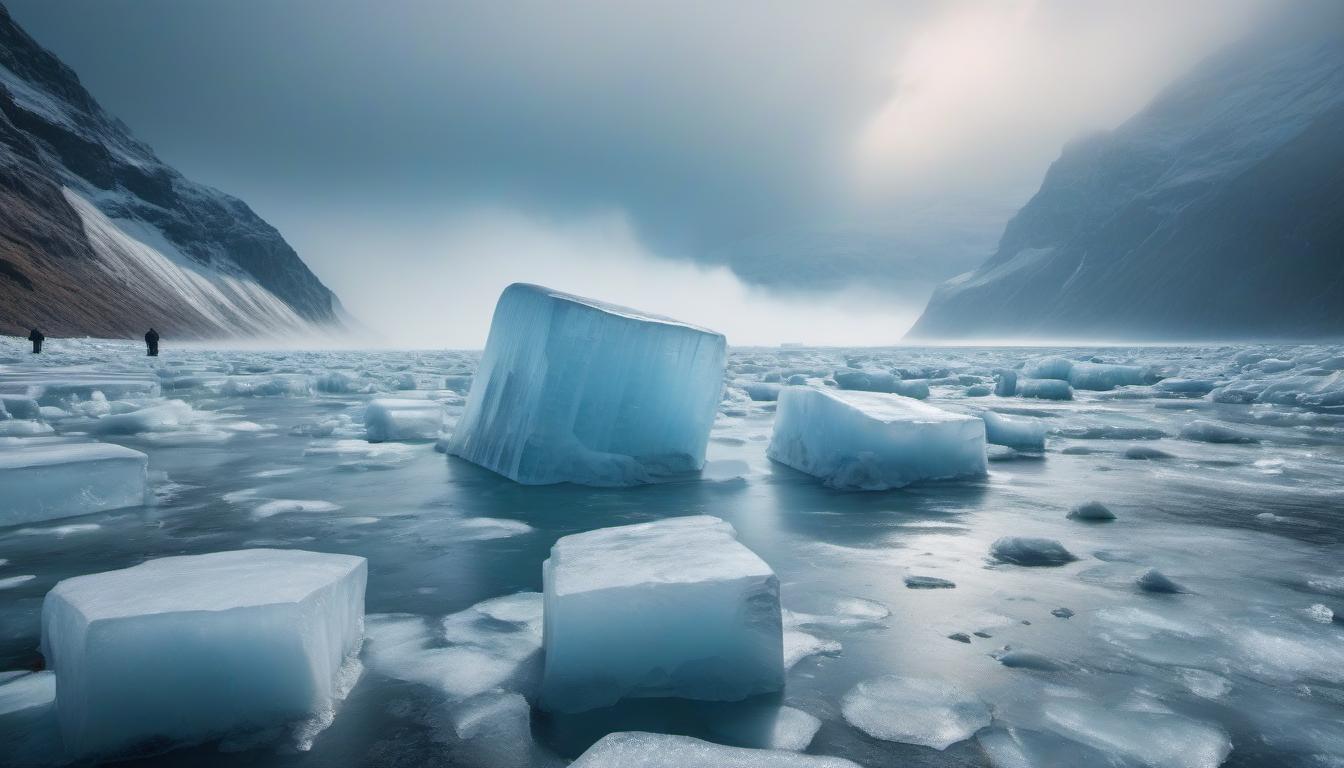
[37, 338]
[152, 342]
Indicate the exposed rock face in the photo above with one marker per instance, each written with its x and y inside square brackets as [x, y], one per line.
[99, 237]
[1215, 213]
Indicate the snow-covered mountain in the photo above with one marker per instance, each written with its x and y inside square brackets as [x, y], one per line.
[99, 237]
[1216, 212]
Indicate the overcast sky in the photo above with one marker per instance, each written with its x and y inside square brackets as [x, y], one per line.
[422, 154]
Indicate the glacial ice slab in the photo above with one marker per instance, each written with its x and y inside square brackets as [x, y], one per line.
[388, 419]
[874, 441]
[676, 607]
[181, 649]
[47, 480]
[573, 390]
[1023, 433]
[634, 749]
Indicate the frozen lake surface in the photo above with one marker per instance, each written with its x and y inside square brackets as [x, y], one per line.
[966, 623]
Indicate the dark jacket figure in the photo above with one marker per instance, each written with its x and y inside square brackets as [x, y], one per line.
[37, 338]
[152, 342]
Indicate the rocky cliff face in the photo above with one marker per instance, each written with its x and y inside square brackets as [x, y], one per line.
[99, 237]
[1215, 213]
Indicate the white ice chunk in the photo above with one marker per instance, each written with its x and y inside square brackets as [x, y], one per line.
[1048, 368]
[1022, 433]
[633, 749]
[45, 481]
[930, 713]
[155, 418]
[1044, 389]
[266, 386]
[573, 390]
[1106, 376]
[491, 644]
[676, 607]
[185, 648]
[29, 733]
[874, 441]
[392, 419]
[493, 730]
[1147, 738]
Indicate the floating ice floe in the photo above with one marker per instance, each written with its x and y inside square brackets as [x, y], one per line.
[181, 649]
[49, 480]
[493, 644]
[1022, 433]
[676, 607]
[633, 749]
[930, 713]
[574, 390]
[393, 419]
[874, 441]
[1147, 738]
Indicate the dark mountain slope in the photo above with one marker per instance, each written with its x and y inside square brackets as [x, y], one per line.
[99, 237]
[1216, 213]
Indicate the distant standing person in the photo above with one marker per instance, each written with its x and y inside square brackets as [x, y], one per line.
[37, 338]
[152, 342]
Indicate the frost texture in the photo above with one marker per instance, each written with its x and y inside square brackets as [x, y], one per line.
[676, 607]
[572, 390]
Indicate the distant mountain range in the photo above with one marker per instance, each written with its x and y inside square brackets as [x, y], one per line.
[1217, 212]
[99, 237]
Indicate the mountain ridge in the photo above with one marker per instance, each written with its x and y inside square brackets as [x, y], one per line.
[1213, 213]
[100, 237]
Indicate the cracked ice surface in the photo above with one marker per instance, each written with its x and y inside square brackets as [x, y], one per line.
[1224, 476]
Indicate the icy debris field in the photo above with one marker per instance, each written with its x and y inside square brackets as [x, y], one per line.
[1151, 573]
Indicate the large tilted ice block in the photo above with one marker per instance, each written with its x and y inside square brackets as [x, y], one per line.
[185, 648]
[676, 607]
[873, 441]
[573, 390]
[396, 419]
[47, 480]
